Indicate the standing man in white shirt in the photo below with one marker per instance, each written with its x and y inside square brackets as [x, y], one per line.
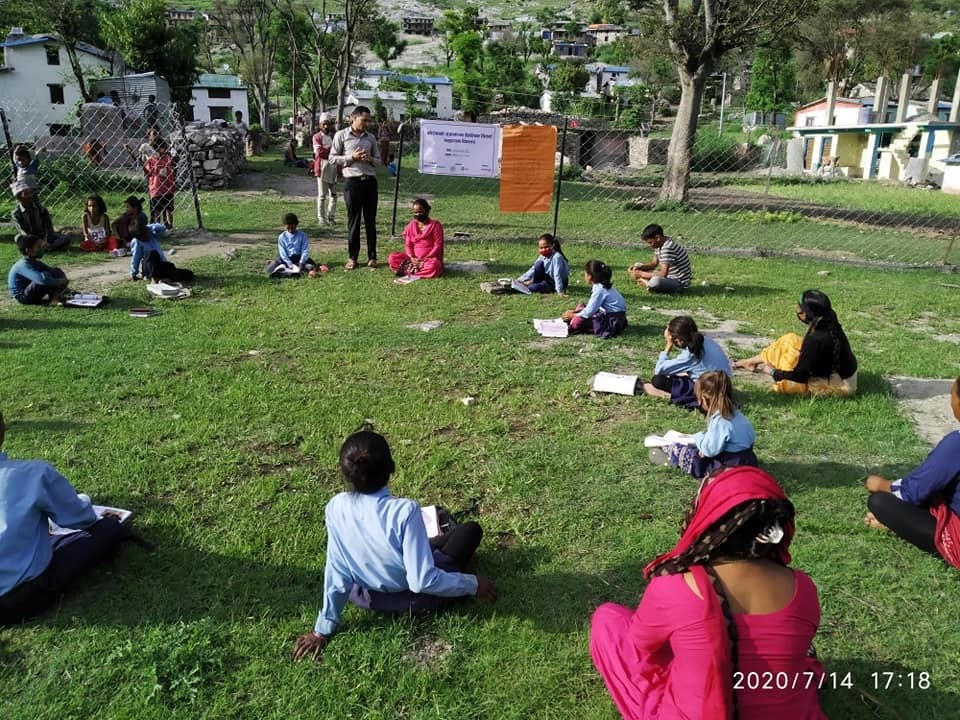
[355, 149]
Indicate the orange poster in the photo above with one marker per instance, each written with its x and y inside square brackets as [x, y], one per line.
[526, 168]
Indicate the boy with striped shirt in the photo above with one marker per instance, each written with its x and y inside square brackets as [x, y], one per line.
[669, 271]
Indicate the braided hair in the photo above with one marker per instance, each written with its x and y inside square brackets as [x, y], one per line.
[816, 306]
[736, 534]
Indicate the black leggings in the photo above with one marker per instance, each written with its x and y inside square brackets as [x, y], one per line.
[914, 524]
[460, 543]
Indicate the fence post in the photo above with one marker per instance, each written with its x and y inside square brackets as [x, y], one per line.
[6, 135]
[193, 178]
[556, 202]
[396, 182]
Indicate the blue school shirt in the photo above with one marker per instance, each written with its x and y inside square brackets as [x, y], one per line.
[30, 492]
[714, 358]
[608, 300]
[555, 267]
[379, 542]
[141, 248]
[934, 476]
[28, 270]
[724, 435]
[290, 244]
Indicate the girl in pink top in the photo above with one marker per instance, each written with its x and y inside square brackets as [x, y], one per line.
[423, 242]
[161, 184]
[724, 629]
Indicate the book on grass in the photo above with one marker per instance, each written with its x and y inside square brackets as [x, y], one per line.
[520, 287]
[670, 437]
[101, 510]
[283, 270]
[615, 383]
[85, 300]
[143, 312]
[552, 328]
[406, 279]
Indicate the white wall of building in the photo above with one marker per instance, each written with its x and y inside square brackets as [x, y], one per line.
[208, 108]
[25, 82]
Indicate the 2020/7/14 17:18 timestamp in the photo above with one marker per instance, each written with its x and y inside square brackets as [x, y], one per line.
[885, 680]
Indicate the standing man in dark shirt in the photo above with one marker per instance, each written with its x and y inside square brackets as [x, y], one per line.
[356, 151]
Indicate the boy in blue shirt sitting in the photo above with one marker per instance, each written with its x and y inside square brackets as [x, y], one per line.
[294, 251]
[32, 282]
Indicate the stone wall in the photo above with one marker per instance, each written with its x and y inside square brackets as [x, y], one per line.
[216, 152]
[648, 151]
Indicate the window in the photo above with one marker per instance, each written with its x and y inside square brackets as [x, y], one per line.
[53, 54]
[218, 93]
[56, 94]
[219, 113]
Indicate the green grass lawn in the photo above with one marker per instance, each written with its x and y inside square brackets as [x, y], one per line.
[219, 422]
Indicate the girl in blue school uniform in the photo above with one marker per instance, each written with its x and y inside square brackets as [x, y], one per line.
[674, 377]
[551, 272]
[728, 439]
[605, 314]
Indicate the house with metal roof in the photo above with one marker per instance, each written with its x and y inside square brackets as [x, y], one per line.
[440, 86]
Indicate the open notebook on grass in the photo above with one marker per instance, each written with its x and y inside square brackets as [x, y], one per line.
[670, 437]
[123, 515]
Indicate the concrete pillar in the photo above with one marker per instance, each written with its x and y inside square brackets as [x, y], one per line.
[934, 97]
[831, 102]
[955, 107]
[873, 149]
[904, 98]
[880, 99]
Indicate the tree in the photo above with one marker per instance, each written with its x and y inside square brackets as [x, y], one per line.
[380, 35]
[505, 75]
[838, 37]
[454, 23]
[773, 80]
[698, 35]
[251, 28]
[139, 32]
[467, 77]
[567, 80]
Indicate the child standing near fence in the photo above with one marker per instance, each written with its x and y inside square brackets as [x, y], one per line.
[605, 314]
[96, 227]
[161, 184]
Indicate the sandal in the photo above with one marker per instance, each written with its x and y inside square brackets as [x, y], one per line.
[351, 264]
[372, 264]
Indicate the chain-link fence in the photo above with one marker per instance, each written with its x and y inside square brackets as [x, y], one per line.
[97, 149]
[751, 192]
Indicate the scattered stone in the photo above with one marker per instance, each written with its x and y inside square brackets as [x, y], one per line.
[426, 326]
[467, 266]
[469, 400]
[927, 403]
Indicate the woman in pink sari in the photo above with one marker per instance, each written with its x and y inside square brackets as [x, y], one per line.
[724, 628]
[423, 243]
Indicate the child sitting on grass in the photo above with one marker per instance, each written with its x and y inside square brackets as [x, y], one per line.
[728, 439]
[551, 272]
[605, 314]
[32, 282]
[148, 258]
[378, 554]
[96, 227]
[293, 249]
[674, 377]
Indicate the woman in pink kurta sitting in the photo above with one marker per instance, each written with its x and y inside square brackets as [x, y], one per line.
[724, 628]
[423, 242]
